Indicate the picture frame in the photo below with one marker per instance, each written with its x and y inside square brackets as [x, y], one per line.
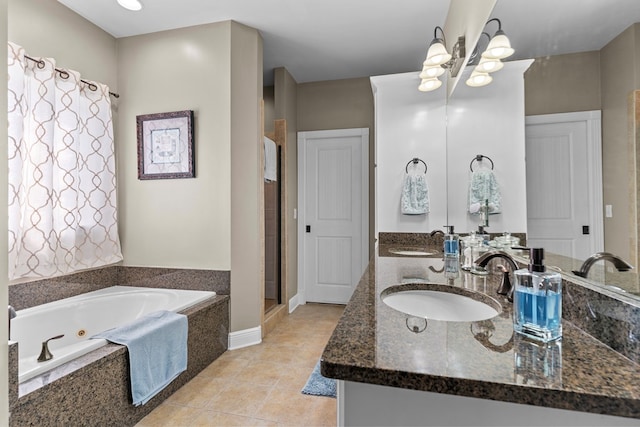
[166, 145]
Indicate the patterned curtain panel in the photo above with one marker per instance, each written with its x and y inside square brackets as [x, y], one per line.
[62, 181]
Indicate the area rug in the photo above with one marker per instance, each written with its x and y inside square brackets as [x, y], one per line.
[317, 385]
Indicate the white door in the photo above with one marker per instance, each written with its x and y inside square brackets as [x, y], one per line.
[564, 183]
[333, 222]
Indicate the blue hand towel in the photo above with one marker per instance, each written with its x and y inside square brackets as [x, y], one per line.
[157, 345]
[415, 195]
[483, 188]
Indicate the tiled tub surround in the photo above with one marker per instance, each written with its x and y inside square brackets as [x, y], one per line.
[94, 389]
[373, 344]
[29, 294]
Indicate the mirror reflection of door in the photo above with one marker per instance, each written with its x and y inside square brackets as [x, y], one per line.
[564, 183]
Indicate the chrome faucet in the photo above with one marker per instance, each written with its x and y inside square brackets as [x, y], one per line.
[12, 314]
[505, 287]
[45, 354]
[618, 262]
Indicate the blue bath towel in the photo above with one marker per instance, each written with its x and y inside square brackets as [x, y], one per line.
[157, 345]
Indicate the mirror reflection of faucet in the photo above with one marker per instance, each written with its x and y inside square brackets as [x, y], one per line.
[619, 263]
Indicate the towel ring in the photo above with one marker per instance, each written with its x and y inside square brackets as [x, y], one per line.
[478, 158]
[415, 161]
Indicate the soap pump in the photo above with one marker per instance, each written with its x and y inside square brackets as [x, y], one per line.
[451, 242]
[451, 253]
[537, 300]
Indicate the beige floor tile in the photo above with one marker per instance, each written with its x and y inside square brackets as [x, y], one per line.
[214, 418]
[239, 399]
[262, 372]
[259, 385]
[197, 392]
[286, 407]
[169, 415]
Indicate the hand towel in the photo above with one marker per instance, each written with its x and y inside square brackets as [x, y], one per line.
[483, 187]
[270, 160]
[415, 195]
[157, 345]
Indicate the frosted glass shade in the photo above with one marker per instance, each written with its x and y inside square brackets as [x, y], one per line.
[479, 79]
[427, 85]
[429, 72]
[437, 53]
[499, 47]
[488, 65]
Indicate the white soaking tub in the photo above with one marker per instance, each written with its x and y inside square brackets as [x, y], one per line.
[83, 316]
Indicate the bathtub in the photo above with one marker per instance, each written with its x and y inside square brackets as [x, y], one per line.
[83, 316]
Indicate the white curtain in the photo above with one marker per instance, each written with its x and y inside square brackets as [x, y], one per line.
[62, 181]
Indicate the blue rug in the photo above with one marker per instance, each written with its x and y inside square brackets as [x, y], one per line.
[317, 385]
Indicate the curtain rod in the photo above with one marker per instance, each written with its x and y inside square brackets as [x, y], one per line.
[65, 75]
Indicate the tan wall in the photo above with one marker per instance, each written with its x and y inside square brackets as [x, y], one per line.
[286, 107]
[177, 222]
[4, 238]
[563, 83]
[341, 104]
[269, 108]
[47, 28]
[619, 79]
[247, 216]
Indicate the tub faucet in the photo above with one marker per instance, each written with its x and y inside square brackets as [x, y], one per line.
[45, 354]
[12, 314]
[618, 262]
[505, 287]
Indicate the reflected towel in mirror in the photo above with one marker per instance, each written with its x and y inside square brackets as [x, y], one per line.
[483, 187]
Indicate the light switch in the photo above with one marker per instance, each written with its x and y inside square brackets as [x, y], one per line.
[608, 211]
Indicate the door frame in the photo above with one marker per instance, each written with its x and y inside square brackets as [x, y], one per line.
[363, 133]
[593, 121]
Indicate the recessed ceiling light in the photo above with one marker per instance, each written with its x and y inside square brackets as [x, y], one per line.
[130, 4]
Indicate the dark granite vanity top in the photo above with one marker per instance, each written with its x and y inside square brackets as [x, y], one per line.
[376, 344]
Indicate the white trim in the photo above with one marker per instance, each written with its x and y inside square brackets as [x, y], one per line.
[302, 152]
[245, 338]
[594, 163]
[294, 302]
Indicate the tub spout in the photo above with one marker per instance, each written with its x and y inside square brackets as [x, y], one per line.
[45, 354]
[618, 262]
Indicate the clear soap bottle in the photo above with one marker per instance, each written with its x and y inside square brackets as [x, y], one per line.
[451, 253]
[537, 300]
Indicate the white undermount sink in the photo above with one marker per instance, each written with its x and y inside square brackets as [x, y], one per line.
[439, 304]
[411, 252]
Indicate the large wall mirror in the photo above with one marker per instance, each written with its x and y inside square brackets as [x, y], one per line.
[571, 93]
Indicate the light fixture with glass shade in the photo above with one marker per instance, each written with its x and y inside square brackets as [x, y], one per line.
[133, 5]
[427, 85]
[437, 53]
[478, 79]
[499, 46]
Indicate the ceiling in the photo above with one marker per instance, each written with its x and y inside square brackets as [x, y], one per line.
[334, 39]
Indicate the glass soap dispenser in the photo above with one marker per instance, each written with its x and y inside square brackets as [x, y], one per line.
[451, 253]
[537, 300]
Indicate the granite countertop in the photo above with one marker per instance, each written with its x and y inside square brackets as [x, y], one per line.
[376, 344]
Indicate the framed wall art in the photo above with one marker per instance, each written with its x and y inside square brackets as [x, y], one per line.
[166, 145]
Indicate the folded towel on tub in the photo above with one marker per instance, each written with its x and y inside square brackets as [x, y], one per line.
[157, 345]
[415, 195]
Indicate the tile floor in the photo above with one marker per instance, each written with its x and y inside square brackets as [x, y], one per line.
[259, 385]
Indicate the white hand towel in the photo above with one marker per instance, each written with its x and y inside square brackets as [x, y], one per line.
[483, 188]
[415, 195]
[270, 160]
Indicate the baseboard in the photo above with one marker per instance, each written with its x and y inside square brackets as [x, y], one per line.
[245, 338]
[294, 302]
